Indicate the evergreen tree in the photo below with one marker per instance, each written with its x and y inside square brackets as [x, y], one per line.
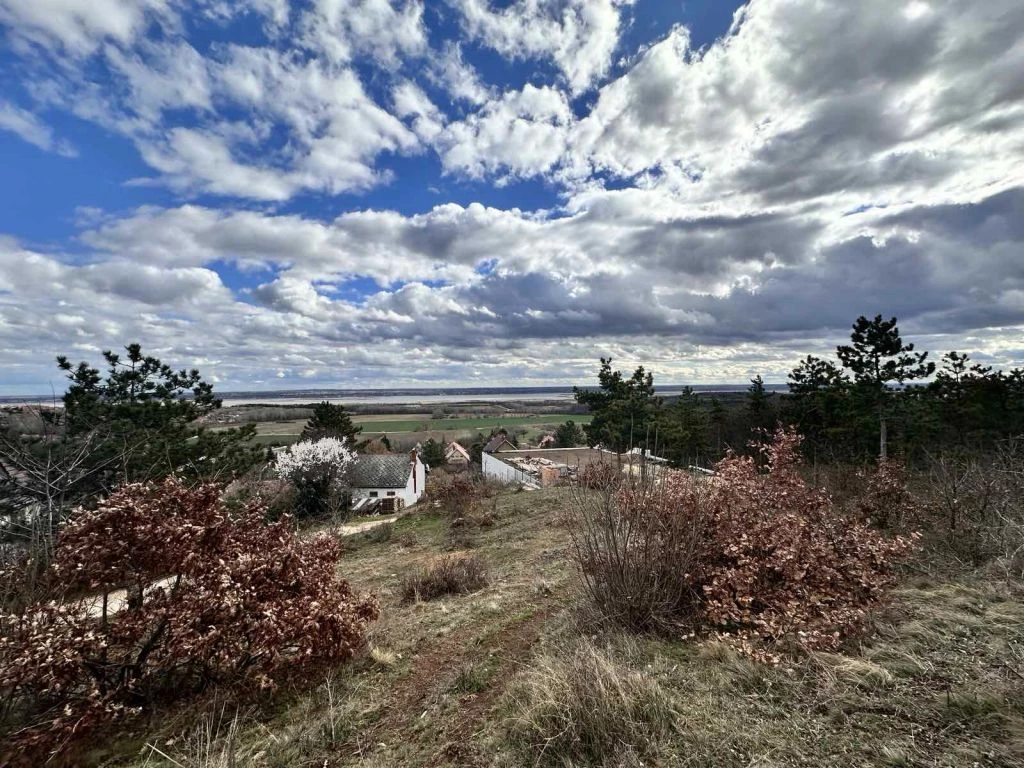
[719, 418]
[814, 375]
[683, 430]
[569, 435]
[878, 358]
[817, 404]
[135, 422]
[760, 412]
[432, 454]
[331, 420]
[623, 409]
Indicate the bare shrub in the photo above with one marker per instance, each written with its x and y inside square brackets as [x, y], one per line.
[449, 575]
[637, 548]
[585, 707]
[599, 475]
[184, 595]
[974, 507]
[456, 493]
[760, 557]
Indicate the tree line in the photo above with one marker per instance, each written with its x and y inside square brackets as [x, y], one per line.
[878, 396]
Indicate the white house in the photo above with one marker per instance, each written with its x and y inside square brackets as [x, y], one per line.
[398, 480]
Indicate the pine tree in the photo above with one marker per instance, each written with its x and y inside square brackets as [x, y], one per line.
[432, 454]
[331, 420]
[683, 430]
[569, 435]
[719, 419]
[623, 409]
[878, 358]
[759, 407]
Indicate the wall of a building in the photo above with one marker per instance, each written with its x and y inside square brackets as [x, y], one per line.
[410, 494]
[499, 470]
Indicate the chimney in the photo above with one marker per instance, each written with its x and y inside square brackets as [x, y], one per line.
[413, 458]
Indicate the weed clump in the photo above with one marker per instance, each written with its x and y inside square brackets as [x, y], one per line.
[449, 575]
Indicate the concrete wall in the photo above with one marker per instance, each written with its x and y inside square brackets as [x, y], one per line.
[499, 470]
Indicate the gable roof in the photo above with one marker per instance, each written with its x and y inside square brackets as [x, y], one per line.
[496, 443]
[453, 446]
[387, 471]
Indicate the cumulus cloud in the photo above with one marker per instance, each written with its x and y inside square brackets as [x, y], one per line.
[719, 212]
[579, 36]
[522, 133]
[850, 103]
[79, 28]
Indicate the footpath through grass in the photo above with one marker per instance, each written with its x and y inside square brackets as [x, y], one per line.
[515, 674]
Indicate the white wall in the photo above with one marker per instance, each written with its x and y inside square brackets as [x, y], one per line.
[499, 470]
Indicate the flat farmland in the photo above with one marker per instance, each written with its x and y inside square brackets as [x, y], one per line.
[378, 424]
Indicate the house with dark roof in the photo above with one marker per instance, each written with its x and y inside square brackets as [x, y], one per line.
[395, 480]
[499, 442]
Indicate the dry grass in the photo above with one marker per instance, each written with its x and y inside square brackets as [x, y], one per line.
[939, 683]
[584, 706]
[448, 575]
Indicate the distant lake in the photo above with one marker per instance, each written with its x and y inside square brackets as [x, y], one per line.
[417, 396]
[444, 395]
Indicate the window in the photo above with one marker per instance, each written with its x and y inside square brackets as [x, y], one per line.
[373, 494]
[391, 493]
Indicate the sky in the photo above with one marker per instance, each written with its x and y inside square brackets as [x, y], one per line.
[378, 193]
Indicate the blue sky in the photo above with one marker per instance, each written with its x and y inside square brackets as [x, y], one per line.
[391, 192]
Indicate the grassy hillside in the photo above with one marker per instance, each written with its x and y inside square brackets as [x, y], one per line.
[516, 674]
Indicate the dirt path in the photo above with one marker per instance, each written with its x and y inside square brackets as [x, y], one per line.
[434, 668]
[353, 528]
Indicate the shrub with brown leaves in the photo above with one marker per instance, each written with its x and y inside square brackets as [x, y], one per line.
[885, 499]
[183, 594]
[759, 556]
[781, 563]
[452, 491]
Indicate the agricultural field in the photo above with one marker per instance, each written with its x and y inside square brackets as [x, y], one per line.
[517, 673]
[374, 425]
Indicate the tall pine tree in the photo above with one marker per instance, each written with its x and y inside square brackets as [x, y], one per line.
[878, 358]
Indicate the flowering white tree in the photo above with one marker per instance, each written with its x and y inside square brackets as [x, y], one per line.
[317, 470]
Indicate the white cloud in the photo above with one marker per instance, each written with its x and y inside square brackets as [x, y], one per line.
[579, 36]
[522, 132]
[385, 30]
[723, 211]
[846, 104]
[79, 28]
[30, 128]
[449, 70]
